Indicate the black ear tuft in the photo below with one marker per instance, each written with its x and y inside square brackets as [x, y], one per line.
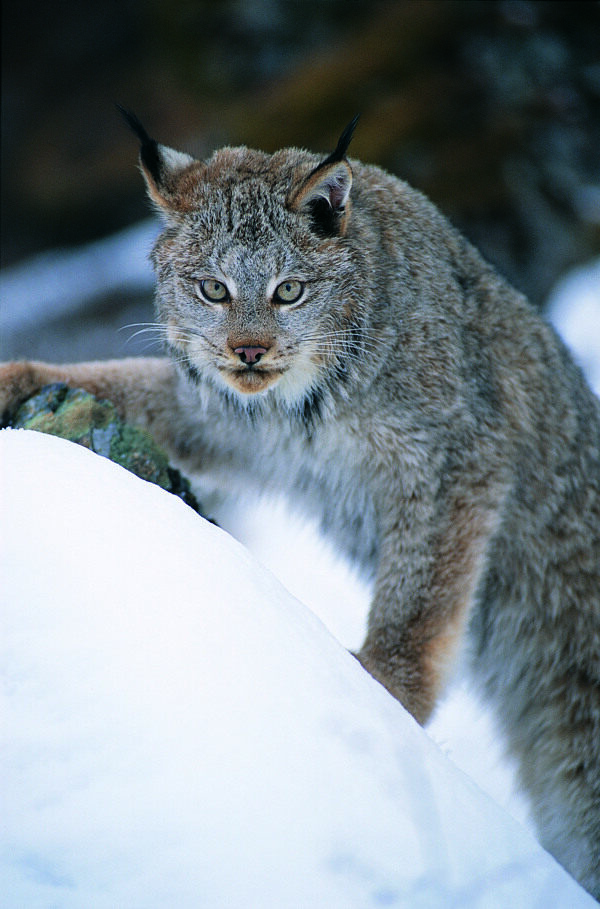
[161, 167]
[342, 147]
[134, 124]
[325, 192]
[149, 154]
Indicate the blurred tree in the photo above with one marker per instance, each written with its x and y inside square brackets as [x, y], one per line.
[492, 107]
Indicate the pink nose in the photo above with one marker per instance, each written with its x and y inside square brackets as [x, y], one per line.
[250, 354]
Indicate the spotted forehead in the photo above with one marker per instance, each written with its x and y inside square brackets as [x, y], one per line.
[255, 212]
[245, 216]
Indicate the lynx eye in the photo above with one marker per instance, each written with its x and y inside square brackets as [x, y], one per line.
[212, 290]
[288, 292]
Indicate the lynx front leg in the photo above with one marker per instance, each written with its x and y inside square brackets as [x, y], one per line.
[143, 390]
[430, 565]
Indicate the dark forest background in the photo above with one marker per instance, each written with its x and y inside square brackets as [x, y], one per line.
[492, 107]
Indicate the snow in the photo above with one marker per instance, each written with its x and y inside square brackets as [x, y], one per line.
[181, 731]
[62, 283]
[574, 309]
[178, 730]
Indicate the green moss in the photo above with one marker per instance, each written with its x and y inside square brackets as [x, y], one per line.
[78, 416]
[134, 449]
[69, 413]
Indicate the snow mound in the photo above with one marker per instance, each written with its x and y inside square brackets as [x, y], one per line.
[574, 310]
[180, 731]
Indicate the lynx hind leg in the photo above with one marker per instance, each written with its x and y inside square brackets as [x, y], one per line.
[558, 749]
[141, 389]
[570, 831]
[536, 661]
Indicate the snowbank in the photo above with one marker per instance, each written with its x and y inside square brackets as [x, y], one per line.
[180, 731]
[63, 283]
[574, 310]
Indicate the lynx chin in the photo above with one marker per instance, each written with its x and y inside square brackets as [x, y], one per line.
[332, 336]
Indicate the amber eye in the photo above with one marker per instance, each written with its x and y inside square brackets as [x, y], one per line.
[212, 290]
[288, 292]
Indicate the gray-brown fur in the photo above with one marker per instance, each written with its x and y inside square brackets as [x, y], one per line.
[420, 407]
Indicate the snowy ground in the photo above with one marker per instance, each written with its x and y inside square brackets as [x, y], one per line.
[211, 744]
[180, 731]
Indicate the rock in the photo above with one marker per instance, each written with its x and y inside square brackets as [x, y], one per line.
[78, 416]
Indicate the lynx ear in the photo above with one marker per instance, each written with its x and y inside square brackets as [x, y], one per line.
[325, 192]
[160, 165]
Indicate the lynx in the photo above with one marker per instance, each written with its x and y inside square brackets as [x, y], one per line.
[331, 335]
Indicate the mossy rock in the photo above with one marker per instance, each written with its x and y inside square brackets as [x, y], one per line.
[78, 416]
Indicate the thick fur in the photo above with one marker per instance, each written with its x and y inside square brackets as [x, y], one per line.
[419, 406]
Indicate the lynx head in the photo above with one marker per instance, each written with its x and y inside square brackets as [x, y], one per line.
[256, 267]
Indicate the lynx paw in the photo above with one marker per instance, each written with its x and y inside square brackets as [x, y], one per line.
[18, 381]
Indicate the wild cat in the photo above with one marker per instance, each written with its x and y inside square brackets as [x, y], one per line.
[331, 335]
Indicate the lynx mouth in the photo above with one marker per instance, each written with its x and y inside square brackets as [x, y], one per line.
[250, 381]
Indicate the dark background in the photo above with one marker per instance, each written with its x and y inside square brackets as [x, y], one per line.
[492, 107]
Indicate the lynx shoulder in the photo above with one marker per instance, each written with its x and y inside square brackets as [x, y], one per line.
[332, 336]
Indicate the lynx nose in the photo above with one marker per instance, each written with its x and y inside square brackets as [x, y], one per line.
[250, 355]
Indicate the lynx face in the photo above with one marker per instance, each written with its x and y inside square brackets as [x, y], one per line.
[257, 283]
